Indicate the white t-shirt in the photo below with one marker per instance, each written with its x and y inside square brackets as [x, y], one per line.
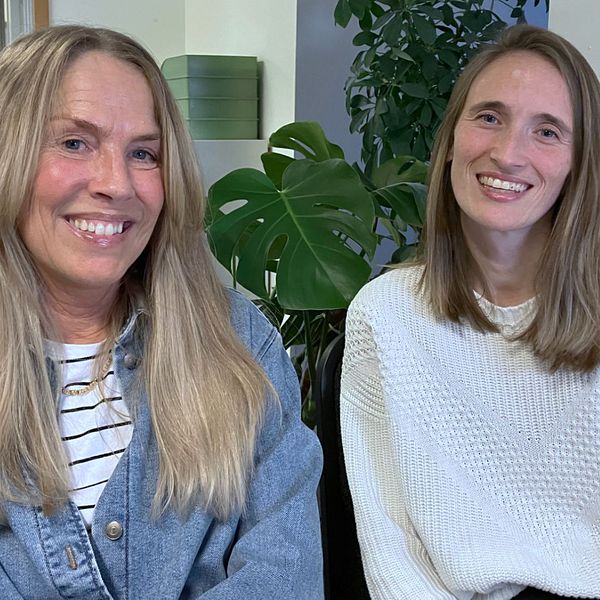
[95, 426]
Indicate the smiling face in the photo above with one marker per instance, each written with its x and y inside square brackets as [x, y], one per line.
[513, 145]
[98, 190]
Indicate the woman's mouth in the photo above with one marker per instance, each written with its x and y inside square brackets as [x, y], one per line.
[502, 184]
[102, 228]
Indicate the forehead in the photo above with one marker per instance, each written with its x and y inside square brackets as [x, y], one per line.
[523, 80]
[97, 77]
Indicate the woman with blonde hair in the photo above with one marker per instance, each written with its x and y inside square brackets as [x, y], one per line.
[150, 439]
[470, 392]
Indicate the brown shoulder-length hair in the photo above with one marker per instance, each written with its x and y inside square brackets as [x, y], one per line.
[206, 394]
[565, 331]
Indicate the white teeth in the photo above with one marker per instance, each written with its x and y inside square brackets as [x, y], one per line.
[105, 229]
[502, 185]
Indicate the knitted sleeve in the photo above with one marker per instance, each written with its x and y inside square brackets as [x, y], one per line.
[395, 561]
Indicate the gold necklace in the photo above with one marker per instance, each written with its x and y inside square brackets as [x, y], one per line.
[93, 383]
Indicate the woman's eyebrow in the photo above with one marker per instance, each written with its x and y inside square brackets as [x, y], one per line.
[501, 107]
[96, 129]
[488, 105]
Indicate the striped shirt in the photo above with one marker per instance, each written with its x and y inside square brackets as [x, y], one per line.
[95, 426]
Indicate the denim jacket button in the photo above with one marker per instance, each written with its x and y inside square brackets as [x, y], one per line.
[114, 530]
[130, 361]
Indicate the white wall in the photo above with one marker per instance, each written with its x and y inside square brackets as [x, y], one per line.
[577, 20]
[157, 24]
[262, 28]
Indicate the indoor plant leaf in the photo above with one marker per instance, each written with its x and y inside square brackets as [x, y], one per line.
[342, 13]
[307, 138]
[274, 165]
[319, 206]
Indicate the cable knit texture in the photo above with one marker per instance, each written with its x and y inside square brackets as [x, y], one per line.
[474, 471]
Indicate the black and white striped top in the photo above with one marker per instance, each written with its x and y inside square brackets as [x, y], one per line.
[95, 427]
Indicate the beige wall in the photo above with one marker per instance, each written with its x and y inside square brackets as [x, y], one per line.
[262, 28]
[157, 24]
[578, 21]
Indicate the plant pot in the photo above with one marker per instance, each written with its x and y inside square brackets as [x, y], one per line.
[223, 129]
[218, 108]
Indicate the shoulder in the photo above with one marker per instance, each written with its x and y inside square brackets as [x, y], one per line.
[251, 326]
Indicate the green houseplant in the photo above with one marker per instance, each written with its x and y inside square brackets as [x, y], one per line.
[302, 234]
[411, 54]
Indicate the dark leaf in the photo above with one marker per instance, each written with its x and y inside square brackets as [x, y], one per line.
[364, 38]
[393, 31]
[274, 165]
[426, 115]
[432, 13]
[445, 83]
[388, 66]
[366, 22]
[342, 13]
[381, 21]
[403, 55]
[403, 254]
[402, 169]
[430, 67]
[358, 7]
[416, 90]
[369, 56]
[308, 138]
[358, 120]
[425, 29]
[359, 101]
[449, 58]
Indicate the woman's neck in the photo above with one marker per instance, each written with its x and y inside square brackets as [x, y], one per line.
[508, 261]
[81, 317]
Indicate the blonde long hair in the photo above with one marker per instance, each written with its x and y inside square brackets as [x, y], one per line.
[566, 329]
[194, 366]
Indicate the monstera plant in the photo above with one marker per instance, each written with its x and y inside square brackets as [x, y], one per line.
[302, 235]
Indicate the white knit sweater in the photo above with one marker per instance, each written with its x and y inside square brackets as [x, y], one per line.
[474, 471]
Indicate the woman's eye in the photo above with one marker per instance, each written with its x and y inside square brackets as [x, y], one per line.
[488, 118]
[73, 144]
[143, 155]
[548, 133]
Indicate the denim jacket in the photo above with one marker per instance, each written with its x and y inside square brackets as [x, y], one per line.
[271, 550]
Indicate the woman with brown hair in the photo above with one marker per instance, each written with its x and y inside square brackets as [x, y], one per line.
[151, 445]
[470, 393]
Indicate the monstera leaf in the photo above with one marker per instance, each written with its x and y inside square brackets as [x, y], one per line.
[317, 227]
[399, 185]
[307, 138]
[304, 137]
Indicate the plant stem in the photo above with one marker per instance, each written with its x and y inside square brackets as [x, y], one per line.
[311, 359]
[324, 331]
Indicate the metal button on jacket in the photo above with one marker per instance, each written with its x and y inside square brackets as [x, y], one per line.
[114, 530]
[130, 361]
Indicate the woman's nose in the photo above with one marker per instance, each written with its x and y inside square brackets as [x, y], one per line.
[111, 176]
[509, 149]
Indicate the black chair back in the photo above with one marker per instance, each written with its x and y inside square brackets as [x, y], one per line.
[344, 579]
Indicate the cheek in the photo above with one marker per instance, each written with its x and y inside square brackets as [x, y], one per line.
[150, 190]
